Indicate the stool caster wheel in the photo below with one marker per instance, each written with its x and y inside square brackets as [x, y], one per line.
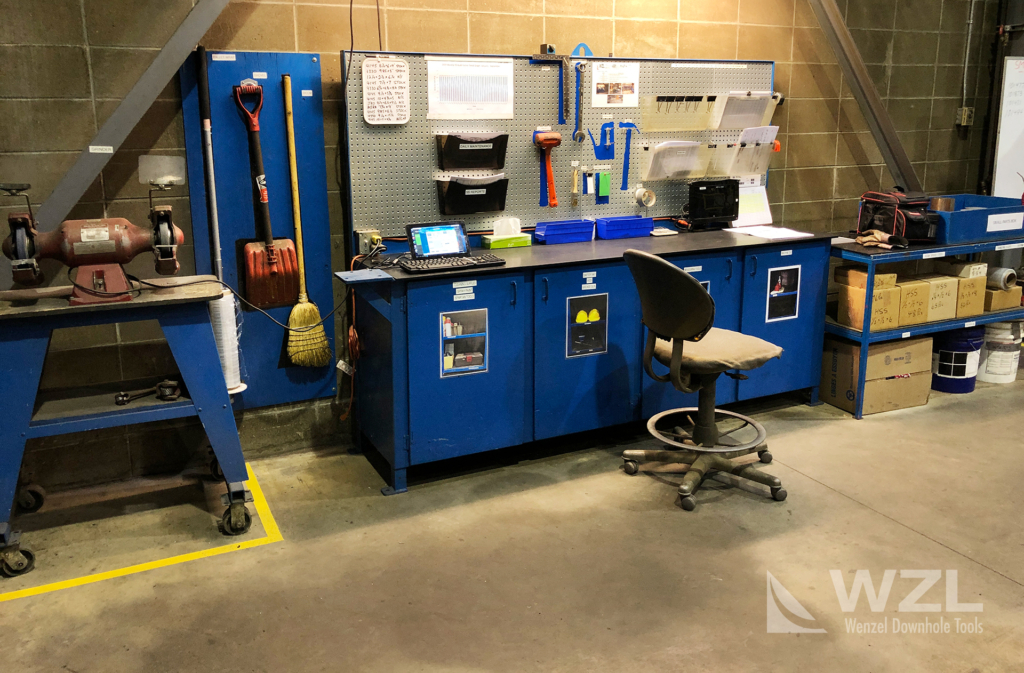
[765, 456]
[236, 520]
[688, 503]
[14, 563]
[779, 494]
[30, 499]
[631, 467]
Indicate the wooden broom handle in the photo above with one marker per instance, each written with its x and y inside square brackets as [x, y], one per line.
[289, 118]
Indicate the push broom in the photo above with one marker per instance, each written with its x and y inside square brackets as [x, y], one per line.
[307, 342]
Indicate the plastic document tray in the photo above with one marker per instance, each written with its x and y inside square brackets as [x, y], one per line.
[456, 198]
[989, 218]
[674, 160]
[722, 156]
[470, 150]
[752, 158]
[625, 226]
[564, 231]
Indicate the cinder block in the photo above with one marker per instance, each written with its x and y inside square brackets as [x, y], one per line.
[43, 72]
[80, 367]
[45, 125]
[88, 461]
[134, 23]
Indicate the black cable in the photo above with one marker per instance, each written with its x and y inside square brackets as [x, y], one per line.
[380, 40]
[138, 291]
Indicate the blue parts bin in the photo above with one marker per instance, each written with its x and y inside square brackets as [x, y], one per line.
[977, 218]
[955, 357]
[564, 231]
[624, 226]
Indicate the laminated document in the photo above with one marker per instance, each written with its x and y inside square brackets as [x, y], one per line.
[385, 91]
[615, 84]
[469, 88]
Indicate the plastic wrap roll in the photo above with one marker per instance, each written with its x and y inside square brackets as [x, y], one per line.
[1001, 279]
[222, 311]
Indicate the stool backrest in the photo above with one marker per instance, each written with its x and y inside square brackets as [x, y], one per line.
[674, 304]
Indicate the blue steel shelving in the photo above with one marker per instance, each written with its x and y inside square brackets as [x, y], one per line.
[856, 253]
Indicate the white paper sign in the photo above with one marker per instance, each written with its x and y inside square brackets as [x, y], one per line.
[385, 91]
[469, 88]
[753, 208]
[615, 84]
[1007, 222]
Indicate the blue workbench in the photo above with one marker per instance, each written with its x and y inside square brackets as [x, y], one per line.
[537, 363]
[871, 258]
[184, 316]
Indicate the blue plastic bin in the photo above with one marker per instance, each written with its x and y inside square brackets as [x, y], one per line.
[624, 226]
[991, 218]
[564, 231]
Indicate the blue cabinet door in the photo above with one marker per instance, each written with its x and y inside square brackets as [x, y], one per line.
[784, 289]
[587, 343]
[722, 275]
[477, 398]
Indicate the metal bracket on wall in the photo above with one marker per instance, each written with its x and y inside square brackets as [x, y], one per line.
[856, 74]
[94, 157]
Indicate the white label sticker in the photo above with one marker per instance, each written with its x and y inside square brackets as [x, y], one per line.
[543, 128]
[590, 274]
[693, 269]
[607, 116]
[905, 335]
[223, 57]
[464, 283]
[786, 253]
[574, 163]
[464, 297]
[1010, 246]
[101, 149]
[475, 192]
[971, 323]
[1006, 222]
[95, 233]
[933, 255]
[475, 146]
[590, 286]
[545, 68]
[307, 93]
[463, 290]
[259, 75]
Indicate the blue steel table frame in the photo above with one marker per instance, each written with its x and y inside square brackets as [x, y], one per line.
[24, 339]
[865, 338]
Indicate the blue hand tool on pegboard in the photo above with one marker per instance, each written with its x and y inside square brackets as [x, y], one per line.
[605, 151]
[629, 126]
[577, 132]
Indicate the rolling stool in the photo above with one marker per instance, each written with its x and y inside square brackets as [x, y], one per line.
[676, 310]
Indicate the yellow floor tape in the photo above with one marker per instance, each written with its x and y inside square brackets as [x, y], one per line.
[262, 509]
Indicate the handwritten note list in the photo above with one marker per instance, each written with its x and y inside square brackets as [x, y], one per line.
[385, 91]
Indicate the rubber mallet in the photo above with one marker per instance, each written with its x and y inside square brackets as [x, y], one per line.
[546, 140]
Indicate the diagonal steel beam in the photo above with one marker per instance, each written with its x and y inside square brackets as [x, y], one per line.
[94, 157]
[856, 74]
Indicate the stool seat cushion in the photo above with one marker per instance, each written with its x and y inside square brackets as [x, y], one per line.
[720, 350]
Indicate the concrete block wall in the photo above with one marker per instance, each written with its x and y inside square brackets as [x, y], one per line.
[65, 65]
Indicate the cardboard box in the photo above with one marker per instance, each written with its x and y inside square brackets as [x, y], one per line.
[961, 269]
[914, 296]
[970, 296]
[899, 374]
[1000, 300]
[942, 299]
[857, 276]
[885, 306]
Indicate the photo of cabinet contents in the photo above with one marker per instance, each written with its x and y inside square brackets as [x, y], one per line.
[783, 294]
[587, 329]
[463, 342]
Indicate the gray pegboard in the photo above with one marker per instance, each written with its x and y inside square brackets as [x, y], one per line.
[393, 168]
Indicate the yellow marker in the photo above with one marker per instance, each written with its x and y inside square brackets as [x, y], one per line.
[594, 315]
[581, 317]
[259, 501]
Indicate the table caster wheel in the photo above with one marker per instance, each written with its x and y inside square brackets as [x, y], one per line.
[16, 563]
[765, 456]
[688, 503]
[631, 467]
[30, 499]
[215, 470]
[779, 493]
[236, 520]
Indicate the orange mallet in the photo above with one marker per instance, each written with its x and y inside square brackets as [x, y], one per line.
[545, 140]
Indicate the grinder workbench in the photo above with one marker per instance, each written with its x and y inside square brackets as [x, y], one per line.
[183, 314]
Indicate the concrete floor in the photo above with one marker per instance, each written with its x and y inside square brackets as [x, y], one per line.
[558, 563]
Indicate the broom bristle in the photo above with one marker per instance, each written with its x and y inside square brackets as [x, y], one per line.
[308, 348]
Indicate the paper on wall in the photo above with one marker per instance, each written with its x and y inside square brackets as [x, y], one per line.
[469, 88]
[385, 91]
[615, 84]
[754, 208]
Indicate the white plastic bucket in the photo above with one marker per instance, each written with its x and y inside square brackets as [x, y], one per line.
[1000, 354]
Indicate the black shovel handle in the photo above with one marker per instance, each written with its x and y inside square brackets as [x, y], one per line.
[259, 176]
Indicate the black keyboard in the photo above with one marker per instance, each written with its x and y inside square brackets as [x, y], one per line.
[449, 263]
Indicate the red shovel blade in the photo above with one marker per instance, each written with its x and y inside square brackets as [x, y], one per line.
[271, 280]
